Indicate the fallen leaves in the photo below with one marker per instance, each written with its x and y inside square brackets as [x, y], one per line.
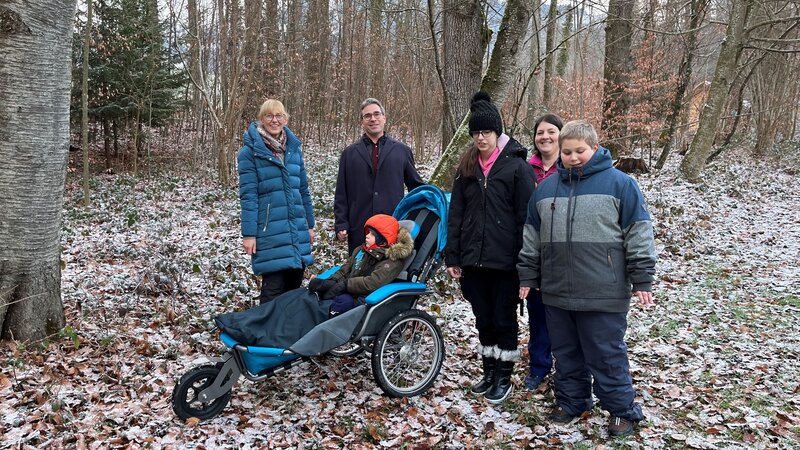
[714, 362]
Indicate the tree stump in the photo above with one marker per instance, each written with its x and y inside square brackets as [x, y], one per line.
[632, 165]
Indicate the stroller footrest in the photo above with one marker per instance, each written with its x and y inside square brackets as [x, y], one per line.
[258, 351]
[383, 292]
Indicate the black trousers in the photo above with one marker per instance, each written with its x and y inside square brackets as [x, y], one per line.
[493, 295]
[276, 283]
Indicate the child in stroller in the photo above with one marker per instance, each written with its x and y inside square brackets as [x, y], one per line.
[405, 343]
[378, 262]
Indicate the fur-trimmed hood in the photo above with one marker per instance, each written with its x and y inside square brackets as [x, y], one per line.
[402, 248]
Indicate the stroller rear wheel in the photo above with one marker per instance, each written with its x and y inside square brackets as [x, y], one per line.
[408, 354]
[185, 400]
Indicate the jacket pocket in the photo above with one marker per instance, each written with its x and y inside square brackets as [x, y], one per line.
[611, 265]
[266, 219]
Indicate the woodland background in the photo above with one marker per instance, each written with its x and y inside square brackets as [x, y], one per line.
[117, 253]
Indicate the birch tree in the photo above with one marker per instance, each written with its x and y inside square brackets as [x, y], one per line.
[35, 48]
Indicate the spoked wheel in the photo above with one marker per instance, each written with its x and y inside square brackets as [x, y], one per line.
[349, 349]
[184, 397]
[408, 354]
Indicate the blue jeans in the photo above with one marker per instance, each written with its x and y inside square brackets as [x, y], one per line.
[590, 344]
[541, 358]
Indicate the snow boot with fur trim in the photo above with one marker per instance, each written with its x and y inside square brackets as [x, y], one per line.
[489, 368]
[502, 386]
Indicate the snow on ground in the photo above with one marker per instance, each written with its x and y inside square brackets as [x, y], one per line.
[716, 362]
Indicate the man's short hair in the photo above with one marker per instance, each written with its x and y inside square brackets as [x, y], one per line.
[371, 101]
[580, 130]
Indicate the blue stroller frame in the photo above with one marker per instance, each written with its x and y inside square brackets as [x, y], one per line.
[406, 344]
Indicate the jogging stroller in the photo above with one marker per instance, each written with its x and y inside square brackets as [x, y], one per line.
[406, 344]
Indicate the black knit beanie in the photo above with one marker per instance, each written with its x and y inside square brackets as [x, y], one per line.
[485, 115]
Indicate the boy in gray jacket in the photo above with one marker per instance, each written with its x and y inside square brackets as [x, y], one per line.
[588, 246]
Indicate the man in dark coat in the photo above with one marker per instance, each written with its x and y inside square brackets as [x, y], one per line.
[372, 173]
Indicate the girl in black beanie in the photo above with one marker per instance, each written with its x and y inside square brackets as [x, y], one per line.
[488, 209]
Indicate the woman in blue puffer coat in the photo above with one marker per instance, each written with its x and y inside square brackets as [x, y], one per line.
[277, 213]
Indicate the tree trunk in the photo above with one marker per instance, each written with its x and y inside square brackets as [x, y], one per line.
[317, 39]
[464, 43]
[534, 95]
[563, 54]
[107, 143]
[696, 13]
[35, 50]
[549, 62]
[725, 72]
[376, 36]
[85, 103]
[618, 63]
[252, 59]
[497, 82]
[505, 55]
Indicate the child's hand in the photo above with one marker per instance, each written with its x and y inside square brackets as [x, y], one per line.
[645, 298]
[523, 292]
[454, 272]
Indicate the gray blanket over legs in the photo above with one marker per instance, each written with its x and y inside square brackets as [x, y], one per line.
[330, 334]
[296, 320]
[279, 323]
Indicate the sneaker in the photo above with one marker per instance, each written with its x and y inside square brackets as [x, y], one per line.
[559, 415]
[532, 382]
[618, 426]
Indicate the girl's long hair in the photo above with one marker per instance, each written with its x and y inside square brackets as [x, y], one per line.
[468, 164]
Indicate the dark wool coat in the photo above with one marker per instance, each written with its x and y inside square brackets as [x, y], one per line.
[588, 238]
[360, 194]
[276, 205]
[487, 214]
[378, 267]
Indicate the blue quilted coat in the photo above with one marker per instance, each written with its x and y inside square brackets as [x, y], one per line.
[276, 205]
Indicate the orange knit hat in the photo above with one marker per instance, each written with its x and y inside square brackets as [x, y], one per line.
[384, 224]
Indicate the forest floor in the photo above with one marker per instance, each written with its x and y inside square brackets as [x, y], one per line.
[716, 362]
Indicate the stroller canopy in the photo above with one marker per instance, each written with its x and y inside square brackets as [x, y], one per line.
[433, 199]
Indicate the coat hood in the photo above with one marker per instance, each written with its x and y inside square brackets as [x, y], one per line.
[514, 148]
[402, 248]
[385, 226]
[600, 161]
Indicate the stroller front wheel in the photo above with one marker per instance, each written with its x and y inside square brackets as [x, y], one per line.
[349, 349]
[408, 354]
[185, 401]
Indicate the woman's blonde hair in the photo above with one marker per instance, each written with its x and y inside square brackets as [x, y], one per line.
[272, 106]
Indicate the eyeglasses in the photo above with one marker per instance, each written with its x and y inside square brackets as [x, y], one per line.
[374, 115]
[484, 133]
[271, 117]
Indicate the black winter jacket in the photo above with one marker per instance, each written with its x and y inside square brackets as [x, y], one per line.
[487, 214]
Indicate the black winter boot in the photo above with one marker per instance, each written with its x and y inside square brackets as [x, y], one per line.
[502, 386]
[489, 367]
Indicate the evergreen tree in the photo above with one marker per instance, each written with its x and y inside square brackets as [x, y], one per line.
[130, 74]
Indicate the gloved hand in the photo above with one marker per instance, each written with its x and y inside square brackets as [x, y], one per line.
[336, 289]
[320, 285]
